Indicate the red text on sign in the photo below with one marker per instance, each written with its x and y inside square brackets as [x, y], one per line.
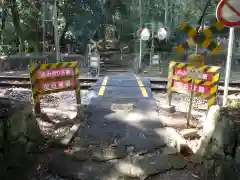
[55, 73]
[55, 85]
[208, 76]
[186, 87]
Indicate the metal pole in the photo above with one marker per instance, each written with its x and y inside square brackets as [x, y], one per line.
[56, 36]
[228, 65]
[140, 48]
[152, 46]
[191, 102]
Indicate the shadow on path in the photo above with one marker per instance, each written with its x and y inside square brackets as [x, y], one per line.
[118, 145]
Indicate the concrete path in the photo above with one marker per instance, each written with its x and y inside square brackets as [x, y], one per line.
[122, 137]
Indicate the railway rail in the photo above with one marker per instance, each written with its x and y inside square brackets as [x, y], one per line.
[86, 83]
[92, 79]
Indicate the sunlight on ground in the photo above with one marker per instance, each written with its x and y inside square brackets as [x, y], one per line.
[54, 112]
[131, 118]
[87, 96]
[133, 170]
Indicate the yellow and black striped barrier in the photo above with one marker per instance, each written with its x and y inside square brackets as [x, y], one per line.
[203, 38]
[54, 78]
[180, 82]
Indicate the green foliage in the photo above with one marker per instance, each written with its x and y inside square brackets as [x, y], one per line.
[80, 20]
[234, 103]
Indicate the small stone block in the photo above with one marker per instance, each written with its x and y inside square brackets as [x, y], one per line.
[189, 133]
[66, 140]
[170, 109]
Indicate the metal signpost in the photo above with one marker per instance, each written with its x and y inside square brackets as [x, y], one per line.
[144, 36]
[152, 46]
[95, 63]
[140, 48]
[155, 59]
[155, 62]
[193, 74]
[228, 66]
[228, 12]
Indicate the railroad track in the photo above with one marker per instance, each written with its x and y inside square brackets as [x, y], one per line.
[24, 82]
[88, 83]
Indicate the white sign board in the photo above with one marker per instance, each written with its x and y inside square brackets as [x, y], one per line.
[95, 61]
[195, 74]
[155, 59]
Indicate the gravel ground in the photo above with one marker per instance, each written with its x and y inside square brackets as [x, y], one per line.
[183, 100]
[65, 103]
[59, 107]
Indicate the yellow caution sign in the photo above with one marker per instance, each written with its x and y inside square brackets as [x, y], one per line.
[180, 82]
[53, 78]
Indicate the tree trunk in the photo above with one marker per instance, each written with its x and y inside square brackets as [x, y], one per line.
[16, 23]
[4, 17]
[166, 14]
[62, 38]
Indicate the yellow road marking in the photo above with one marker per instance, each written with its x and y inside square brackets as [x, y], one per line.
[103, 86]
[142, 88]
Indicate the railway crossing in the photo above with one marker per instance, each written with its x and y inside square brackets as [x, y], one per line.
[123, 135]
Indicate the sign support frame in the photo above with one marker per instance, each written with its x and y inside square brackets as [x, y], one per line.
[228, 22]
[195, 75]
[189, 115]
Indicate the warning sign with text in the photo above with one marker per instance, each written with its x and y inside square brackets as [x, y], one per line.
[205, 84]
[53, 78]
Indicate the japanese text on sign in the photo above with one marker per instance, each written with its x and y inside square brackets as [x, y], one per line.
[55, 73]
[184, 73]
[53, 85]
[186, 87]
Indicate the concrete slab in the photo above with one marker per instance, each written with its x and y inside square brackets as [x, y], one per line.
[143, 104]
[136, 127]
[121, 136]
[130, 167]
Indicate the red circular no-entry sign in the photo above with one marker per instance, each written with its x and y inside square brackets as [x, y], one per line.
[228, 12]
